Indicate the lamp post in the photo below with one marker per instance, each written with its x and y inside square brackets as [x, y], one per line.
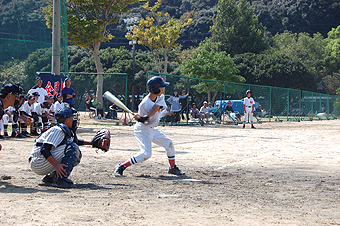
[132, 22]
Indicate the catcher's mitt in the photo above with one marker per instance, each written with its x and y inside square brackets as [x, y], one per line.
[102, 140]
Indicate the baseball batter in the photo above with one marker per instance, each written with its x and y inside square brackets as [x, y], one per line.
[146, 130]
[56, 151]
[248, 105]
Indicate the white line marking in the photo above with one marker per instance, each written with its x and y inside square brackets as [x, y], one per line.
[187, 180]
[247, 160]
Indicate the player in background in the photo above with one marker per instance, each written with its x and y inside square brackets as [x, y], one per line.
[25, 115]
[38, 114]
[248, 105]
[58, 104]
[39, 89]
[10, 96]
[146, 130]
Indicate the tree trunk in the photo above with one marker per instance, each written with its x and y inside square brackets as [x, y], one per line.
[208, 91]
[99, 68]
[165, 61]
[214, 97]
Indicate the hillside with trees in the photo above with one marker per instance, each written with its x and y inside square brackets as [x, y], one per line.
[296, 42]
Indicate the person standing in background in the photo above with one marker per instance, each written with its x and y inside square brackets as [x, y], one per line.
[175, 106]
[68, 93]
[184, 104]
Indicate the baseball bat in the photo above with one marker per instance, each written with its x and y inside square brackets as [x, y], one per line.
[116, 101]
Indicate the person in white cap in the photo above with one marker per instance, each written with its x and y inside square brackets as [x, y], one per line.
[248, 105]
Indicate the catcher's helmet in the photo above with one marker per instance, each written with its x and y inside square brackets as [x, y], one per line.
[154, 83]
[248, 91]
[65, 113]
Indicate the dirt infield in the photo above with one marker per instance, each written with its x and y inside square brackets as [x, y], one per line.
[281, 173]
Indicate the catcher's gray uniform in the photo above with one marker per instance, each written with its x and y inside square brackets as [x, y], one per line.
[54, 136]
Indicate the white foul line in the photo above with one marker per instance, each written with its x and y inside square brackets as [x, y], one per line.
[246, 160]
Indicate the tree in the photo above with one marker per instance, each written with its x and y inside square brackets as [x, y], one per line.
[275, 69]
[332, 55]
[207, 63]
[237, 30]
[87, 23]
[158, 33]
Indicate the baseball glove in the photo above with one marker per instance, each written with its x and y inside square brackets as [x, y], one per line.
[102, 140]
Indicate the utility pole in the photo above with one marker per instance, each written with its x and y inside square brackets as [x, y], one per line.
[56, 38]
[132, 21]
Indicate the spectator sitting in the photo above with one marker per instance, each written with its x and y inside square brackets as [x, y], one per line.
[260, 112]
[166, 114]
[230, 111]
[195, 113]
[217, 111]
[99, 110]
[113, 112]
[113, 109]
[90, 105]
[205, 111]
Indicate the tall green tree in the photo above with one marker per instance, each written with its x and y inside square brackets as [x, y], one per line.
[87, 23]
[158, 33]
[332, 55]
[208, 63]
[237, 29]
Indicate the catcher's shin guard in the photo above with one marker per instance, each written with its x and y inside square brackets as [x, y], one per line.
[71, 159]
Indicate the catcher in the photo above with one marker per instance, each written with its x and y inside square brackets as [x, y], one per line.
[56, 151]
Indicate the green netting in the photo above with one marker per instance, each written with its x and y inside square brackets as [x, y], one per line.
[277, 104]
[83, 83]
[17, 41]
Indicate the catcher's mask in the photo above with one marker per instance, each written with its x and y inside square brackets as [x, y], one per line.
[62, 114]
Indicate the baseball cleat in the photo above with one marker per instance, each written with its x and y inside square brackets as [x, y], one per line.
[119, 170]
[34, 133]
[243, 126]
[176, 171]
[253, 127]
[63, 183]
[20, 135]
[48, 179]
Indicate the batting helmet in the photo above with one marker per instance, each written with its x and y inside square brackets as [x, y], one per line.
[65, 113]
[155, 83]
[248, 91]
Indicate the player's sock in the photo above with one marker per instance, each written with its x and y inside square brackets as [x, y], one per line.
[5, 129]
[23, 128]
[40, 126]
[127, 163]
[15, 128]
[171, 161]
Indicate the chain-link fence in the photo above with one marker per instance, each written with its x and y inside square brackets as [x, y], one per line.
[86, 83]
[271, 103]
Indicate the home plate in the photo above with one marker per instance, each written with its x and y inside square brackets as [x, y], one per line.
[186, 180]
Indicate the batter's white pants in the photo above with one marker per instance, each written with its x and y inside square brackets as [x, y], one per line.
[145, 136]
[248, 113]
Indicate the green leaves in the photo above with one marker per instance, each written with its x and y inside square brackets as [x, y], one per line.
[237, 29]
